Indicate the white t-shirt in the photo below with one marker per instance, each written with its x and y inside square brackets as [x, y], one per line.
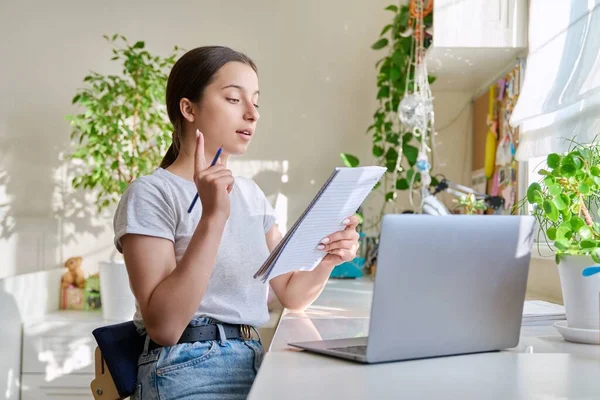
[157, 204]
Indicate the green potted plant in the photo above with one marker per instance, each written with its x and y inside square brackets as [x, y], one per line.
[121, 132]
[565, 204]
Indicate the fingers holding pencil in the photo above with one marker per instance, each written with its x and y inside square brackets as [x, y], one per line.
[213, 183]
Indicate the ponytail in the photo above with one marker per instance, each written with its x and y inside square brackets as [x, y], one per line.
[169, 157]
[173, 151]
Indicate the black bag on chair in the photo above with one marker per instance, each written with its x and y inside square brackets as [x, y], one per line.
[121, 345]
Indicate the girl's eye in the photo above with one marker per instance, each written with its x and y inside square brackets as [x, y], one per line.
[235, 101]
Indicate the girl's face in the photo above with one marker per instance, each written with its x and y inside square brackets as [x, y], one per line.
[227, 113]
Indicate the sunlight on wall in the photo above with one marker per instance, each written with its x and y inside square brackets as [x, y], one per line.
[272, 177]
[31, 246]
[34, 294]
[10, 388]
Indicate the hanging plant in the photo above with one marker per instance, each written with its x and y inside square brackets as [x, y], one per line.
[395, 78]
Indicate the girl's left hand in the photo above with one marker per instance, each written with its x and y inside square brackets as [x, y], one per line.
[341, 246]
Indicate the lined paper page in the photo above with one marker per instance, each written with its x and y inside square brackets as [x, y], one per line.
[339, 200]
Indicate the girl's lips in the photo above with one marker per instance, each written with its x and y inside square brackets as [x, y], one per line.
[244, 134]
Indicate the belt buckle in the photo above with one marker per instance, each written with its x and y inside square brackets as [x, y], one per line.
[245, 332]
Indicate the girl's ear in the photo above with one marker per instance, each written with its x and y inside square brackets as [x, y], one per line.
[187, 109]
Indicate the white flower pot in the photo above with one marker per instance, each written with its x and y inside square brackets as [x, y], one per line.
[118, 302]
[581, 295]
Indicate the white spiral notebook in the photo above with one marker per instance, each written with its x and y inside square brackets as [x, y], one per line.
[340, 197]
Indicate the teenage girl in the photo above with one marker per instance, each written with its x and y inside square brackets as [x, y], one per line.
[192, 273]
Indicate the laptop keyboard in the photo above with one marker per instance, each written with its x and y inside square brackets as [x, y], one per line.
[360, 350]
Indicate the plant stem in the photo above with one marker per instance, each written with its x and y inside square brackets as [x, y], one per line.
[586, 214]
[119, 172]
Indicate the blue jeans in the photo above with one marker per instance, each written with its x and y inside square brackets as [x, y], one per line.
[215, 369]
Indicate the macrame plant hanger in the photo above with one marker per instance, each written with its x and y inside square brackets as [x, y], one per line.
[415, 110]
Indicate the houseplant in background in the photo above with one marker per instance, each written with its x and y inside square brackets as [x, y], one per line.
[565, 204]
[392, 144]
[470, 204]
[120, 134]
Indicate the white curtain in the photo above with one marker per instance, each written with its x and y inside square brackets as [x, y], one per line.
[560, 98]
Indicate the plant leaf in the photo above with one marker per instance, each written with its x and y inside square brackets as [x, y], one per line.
[550, 210]
[398, 58]
[411, 153]
[561, 244]
[568, 169]
[596, 255]
[584, 188]
[585, 232]
[551, 233]
[563, 232]
[534, 193]
[549, 180]
[409, 175]
[391, 155]
[562, 202]
[576, 223]
[576, 161]
[392, 8]
[553, 160]
[380, 44]
[555, 189]
[349, 160]
[378, 151]
[384, 92]
[385, 29]
[402, 184]
[588, 244]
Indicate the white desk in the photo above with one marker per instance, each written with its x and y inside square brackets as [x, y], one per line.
[543, 366]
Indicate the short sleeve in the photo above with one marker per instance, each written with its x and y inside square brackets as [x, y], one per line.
[144, 209]
[269, 214]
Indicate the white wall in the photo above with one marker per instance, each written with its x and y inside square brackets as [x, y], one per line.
[453, 140]
[317, 76]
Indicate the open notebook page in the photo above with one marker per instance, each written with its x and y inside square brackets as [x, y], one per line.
[340, 197]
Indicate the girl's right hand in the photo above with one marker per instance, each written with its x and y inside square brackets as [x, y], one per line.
[214, 183]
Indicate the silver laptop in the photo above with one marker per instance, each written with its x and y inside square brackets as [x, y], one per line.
[444, 286]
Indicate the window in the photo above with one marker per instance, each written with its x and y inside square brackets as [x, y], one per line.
[531, 167]
[560, 94]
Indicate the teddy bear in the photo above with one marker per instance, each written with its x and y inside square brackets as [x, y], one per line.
[74, 276]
